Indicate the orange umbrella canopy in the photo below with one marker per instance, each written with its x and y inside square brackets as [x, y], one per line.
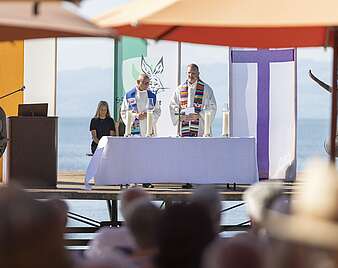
[73, 1]
[248, 23]
[18, 22]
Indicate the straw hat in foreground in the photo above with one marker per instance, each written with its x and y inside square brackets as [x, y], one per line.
[314, 210]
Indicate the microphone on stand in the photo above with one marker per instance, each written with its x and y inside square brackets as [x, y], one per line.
[13, 92]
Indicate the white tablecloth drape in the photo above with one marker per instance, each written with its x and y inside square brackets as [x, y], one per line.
[120, 160]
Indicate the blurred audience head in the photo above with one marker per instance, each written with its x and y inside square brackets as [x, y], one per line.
[142, 220]
[258, 197]
[237, 252]
[184, 232]
[31, 231]
[131, 195]
[209, 197]
[62, 208]
[113, 260]
[117, 240]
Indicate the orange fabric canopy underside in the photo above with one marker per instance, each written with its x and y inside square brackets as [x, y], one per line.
[236, 37]
[240, 23]
[17, 22]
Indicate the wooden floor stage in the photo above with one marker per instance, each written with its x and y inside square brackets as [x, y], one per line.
[71, 186]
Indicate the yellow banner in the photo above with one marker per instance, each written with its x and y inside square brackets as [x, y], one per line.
[11, 77]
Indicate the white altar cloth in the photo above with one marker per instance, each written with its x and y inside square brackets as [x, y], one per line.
[120, 160]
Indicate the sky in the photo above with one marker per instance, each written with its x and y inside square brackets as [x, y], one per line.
[98, 51]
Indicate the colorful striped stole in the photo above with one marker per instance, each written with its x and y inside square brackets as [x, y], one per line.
[131, 99]
[190, 129]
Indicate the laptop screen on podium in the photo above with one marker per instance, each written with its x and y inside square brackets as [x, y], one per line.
[33, 109]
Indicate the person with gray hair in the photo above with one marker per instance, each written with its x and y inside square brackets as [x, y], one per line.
[131, 195]
[136, 100]
[258, 197]
[209, 197]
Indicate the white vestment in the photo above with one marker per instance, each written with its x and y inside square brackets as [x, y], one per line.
[208, 104]
[141, 103]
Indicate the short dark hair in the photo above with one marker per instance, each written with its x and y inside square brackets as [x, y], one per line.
[142, 76]
[142, 221]
[181, 224]
[193, 65]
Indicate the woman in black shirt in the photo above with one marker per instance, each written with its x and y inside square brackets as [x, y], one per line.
[102, 124]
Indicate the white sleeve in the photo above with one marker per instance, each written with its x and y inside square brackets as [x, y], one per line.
[210, 103]
[174, 106]
[212, 106]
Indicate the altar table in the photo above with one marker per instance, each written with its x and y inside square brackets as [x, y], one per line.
[125, 160]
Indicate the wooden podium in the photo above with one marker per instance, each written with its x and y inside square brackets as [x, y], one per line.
[32, 151]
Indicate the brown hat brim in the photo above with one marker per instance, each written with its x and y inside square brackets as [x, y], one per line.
[299, 228]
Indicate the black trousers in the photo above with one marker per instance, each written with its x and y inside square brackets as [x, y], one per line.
[93, 147]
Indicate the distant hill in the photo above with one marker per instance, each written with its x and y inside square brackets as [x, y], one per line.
[78, 91]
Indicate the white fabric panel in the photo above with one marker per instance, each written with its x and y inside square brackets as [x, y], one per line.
[282, 118]
[243, 97]
[169, 79]
[121, 160]
[282, 113]
[39, 72]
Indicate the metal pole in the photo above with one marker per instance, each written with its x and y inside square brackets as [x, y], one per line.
[55, 75]
[112, 210]
[116, 77]
[334, 100]
[294, 166]
[179, 61]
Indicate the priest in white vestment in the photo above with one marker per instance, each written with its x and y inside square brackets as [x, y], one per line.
[137, 100]
[194, 98]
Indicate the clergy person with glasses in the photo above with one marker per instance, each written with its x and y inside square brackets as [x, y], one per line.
[136, 100]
